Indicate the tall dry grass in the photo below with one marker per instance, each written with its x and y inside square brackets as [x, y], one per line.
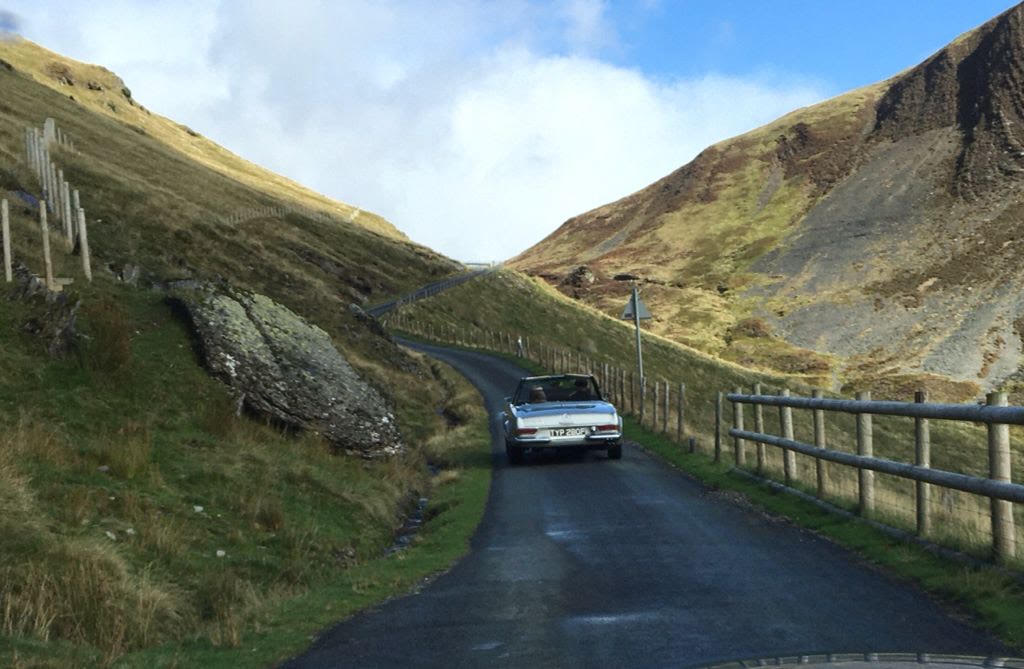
[76, 589]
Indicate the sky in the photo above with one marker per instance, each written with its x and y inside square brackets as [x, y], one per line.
[475, 126]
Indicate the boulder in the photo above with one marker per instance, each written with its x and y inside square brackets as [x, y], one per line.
[581, 277]
[290, 370]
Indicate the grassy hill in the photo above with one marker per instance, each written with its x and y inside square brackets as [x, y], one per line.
[99, 90]
[144, 521]
[879, 228]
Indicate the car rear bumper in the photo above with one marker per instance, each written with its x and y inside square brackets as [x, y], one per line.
[590, 441]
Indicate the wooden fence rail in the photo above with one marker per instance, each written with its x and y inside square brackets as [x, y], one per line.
[997, 486]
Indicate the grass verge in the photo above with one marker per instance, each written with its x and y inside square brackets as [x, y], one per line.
[457, 495]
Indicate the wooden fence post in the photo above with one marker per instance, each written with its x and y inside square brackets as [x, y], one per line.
[47, 261]
[680, 401]
[83, 245]
[759, 428]
[643, 398]
[665, 407]
[923, 458]
[622, 388]
[1003, 539]
[718, 427]
[865, 446]
[788, 456]
[819, 441]
[739, 445]
[5, 222]
[70, 224]
[654, 408]
[632, 393]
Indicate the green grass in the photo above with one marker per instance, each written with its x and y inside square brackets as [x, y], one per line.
[300, 526]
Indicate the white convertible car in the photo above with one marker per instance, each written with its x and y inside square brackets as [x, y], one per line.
[564, 411]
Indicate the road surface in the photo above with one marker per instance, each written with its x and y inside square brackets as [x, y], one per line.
[587, 562]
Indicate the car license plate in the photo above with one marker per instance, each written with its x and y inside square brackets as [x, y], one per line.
[568, 431]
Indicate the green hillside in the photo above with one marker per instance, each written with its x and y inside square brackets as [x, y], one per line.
[144, 520]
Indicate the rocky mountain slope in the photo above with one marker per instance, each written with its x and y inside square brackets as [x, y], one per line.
[876, 233]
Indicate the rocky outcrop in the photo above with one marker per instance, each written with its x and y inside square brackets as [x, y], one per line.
[54, 322]
[289, 369]
[581, 277]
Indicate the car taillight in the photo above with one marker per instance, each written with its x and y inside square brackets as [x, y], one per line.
[526, 430]
[607, 428]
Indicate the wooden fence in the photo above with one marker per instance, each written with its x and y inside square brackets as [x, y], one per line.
[995, 414]
[59, 203]
[661, 406]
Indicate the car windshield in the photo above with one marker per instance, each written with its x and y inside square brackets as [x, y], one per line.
[557, 389]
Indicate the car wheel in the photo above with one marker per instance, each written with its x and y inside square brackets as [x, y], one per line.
[615, 452]
[514, 453]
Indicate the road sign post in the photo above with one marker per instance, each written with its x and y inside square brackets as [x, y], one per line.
[636, 309]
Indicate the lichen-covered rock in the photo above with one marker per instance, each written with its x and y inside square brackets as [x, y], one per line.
[290, 369]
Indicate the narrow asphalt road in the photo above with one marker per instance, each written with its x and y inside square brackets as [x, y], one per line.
[598, 563]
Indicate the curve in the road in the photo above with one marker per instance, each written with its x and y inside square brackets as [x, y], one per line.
[598, 563]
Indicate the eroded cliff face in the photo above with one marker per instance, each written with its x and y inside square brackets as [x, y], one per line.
[882, 227]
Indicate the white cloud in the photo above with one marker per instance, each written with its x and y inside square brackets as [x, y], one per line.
[467, 123]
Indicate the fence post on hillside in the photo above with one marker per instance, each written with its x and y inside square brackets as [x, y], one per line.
[680, 402]
[5, 222]
[654, 408]
[58, 187]
[643, 398]
[759, 428]
[866, 447]
[665, 409]
[739, 445]
[47, 261]
[1003, 535]
[83, 245]
[632, 394]
[819, 441]
[923, 458]
[622, 389]
[52, 191]
[70, 224]
[786, 425]
[718, 427]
